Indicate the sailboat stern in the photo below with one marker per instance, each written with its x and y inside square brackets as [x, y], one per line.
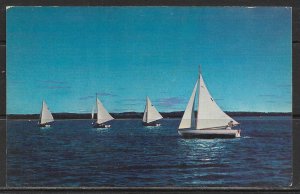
[238, 133]
[209, 133]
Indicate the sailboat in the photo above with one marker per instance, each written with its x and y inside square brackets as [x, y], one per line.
[102, 115]
[211, 121]
[45, 116]
[151, 115]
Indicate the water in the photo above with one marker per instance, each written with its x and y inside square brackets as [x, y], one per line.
[71, 153]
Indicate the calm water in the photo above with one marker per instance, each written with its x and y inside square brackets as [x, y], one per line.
[71, 153]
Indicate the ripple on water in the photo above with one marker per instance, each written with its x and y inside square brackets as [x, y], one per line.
[72, 153]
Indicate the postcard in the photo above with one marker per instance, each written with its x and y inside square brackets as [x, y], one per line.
[160, 96]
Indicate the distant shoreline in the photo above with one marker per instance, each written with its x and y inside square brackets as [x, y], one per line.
[139, 115]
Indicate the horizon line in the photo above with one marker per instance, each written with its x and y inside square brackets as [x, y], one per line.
[143, 112]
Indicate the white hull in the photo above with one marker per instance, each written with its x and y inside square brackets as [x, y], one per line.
[209, 133]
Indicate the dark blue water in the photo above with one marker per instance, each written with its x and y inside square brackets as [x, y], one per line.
[72, 153]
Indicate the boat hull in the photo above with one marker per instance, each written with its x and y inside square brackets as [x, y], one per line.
[96, 125]
[45, 125]
[152, 124]
[209, 133]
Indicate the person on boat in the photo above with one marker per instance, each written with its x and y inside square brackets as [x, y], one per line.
[230, 125]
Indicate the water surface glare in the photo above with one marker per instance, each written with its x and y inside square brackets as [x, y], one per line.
[72, 153]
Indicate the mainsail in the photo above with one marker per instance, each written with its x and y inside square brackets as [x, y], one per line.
[45, 116]
[150, 113]
[209, 113]
[102, 114]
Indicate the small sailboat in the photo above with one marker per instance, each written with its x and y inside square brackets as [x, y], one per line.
[102, 115]
[45, 116]
[151, 115]
[211, 121]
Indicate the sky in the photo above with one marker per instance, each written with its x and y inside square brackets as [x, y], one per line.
[65, 55]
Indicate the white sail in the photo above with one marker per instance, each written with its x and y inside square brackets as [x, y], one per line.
[150, 113]
[93, 112]
[209, 114]
[188, 118]
[102, 114]
[45, 116]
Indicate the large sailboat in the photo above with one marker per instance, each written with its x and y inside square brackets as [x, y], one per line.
[45, 116]
[211, 121]
[102, 115]
[151, 115]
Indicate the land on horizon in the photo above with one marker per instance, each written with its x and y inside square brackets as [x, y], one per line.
[138, 115]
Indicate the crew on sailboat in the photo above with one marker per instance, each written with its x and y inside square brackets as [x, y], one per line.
[230, 125]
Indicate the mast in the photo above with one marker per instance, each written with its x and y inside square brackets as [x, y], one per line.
[148, 109]
[40, 118]
[145, 111]
[96, 107]
[198, 100]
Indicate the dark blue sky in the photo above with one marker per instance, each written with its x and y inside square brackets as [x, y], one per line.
[66, 54]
